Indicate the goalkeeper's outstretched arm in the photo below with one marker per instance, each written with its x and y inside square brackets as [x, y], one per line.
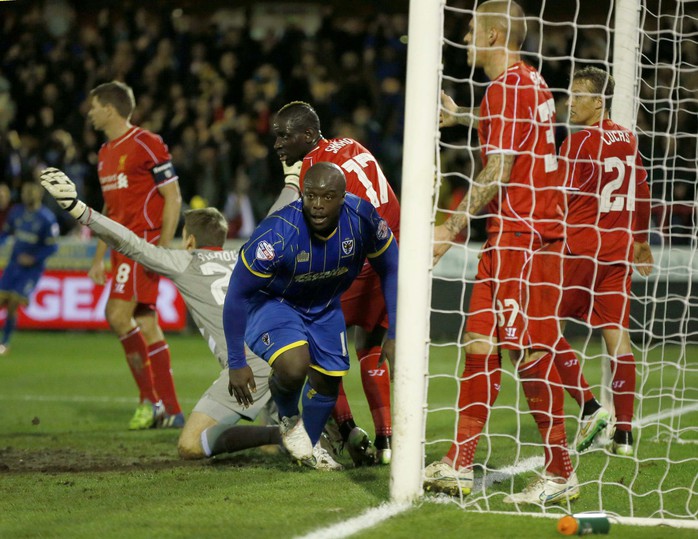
[166, 262]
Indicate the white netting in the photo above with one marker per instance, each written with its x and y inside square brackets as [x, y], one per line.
[661, 480]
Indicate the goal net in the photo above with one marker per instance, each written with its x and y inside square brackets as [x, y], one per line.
[651, 48]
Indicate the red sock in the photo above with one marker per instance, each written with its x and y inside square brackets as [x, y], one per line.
[478, 391]
[159, 354]
[571, 374]
[623, 368]
[376, 382]
[137, 358]
[543, 389]
[342, 411]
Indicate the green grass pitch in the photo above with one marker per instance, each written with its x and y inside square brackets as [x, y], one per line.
[69, 467]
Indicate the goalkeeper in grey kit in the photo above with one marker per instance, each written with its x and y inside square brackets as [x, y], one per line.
[200, 271]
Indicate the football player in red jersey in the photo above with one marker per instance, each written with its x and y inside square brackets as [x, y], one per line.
[608, 212]
[518, 285]
[141, 192]
[299, 141]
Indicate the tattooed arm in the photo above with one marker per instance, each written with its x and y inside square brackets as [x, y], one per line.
[483, 189]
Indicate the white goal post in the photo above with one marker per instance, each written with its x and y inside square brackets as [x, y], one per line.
[414, 278]
[659, 101]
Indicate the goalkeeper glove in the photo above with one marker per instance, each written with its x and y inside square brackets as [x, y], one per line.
[292, 173]
[60, 187]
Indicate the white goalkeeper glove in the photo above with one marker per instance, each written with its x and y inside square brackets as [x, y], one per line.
[60, 187]
[292, 173]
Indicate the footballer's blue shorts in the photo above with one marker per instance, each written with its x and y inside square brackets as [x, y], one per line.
[19, 281]
[274, 327]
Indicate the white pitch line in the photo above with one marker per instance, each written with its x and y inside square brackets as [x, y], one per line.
[383, 512]
[366, 520]
[673, 412]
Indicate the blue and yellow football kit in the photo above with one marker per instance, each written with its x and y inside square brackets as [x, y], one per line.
[285, 290]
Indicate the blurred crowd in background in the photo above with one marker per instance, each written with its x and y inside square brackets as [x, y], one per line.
[209, 81]
[208, 84]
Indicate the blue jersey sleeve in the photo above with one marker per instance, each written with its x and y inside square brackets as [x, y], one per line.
[381, 236]
[243, 285]
[382, 253]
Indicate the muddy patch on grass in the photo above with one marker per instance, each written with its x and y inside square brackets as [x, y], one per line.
[61, 459]
[70, 460]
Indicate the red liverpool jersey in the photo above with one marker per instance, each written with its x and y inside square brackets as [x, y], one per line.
[131, 168]
[365, 178]
[517, 117]
[607, 187]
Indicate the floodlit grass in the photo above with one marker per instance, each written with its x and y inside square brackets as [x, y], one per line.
[69, 467]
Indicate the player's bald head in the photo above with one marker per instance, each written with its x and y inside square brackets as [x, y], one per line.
[327, 175]
[507, 17]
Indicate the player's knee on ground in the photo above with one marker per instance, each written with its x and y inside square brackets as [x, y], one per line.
[189, 444]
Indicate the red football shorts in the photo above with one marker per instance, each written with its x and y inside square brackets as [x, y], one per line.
[596, 292]
[517, 292]
[132, 282]
[363, 304]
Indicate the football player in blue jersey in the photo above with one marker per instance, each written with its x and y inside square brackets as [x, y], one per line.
[283, 300]
[35, 230]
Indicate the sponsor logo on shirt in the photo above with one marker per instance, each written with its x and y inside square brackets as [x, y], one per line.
[348, 246]
[383, 230]
[114, 181]
[310, 277]
[265, 251]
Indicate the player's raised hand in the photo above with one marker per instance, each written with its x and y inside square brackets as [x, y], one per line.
[241, 385]
[60, 187]
[442, 242]
[448, 112]
[292, 173]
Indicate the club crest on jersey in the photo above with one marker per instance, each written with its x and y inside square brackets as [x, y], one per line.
[302, 257]
[348, 246]
[382, 231]
[122, 162]
[265, 251]
[266, 339]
